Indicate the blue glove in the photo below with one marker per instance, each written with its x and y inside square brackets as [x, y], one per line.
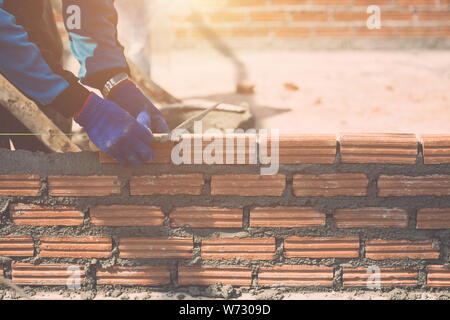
[115, 131]
[130, 98]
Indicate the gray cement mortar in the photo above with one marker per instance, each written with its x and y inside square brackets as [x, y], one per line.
[86, 163]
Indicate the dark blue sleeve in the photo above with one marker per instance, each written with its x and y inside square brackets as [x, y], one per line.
[22, 64]
[94, 40]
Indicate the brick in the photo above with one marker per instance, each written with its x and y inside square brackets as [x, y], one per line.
[238, 248]
[206, 217]
[134, 276]
[248, 185]
[398, 185]
[433, 218]
[286, 217]
[384, 32]
[332, 2]
[268, 16]
[16, 246]
[436, 148]
[294, 275]
[438, 276]
[47, 274]
[362, 15]
[380, 249]
[379, 148]
[20, 185]
[83, 186]
[367, 3]
[330, 185]
[162, 150]
[289, 2]
[309, 16]
[246, 3]
[75, 247]
[416, 2]
[371, 217]
[292, 32]
[34, 215]
[249, 32]
[226, 17]
[126, 216]
[417, 32]
[389, 277]
[321, 247]
[204, 276]
[156, 248]
[296, 149]
[189, 184]
[2, 275]
[333, 31]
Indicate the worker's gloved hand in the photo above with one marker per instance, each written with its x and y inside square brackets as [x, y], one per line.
[115, 131]
[130, 98]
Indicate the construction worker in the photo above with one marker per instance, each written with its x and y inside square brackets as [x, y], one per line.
[31, 58]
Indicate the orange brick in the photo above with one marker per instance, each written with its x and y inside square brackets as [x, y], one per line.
[350, 16]
[206, 217]
[397, 15]
[286, 217]
[400, 249]
[321, 247]
[433, 218]
[246, 3]
[289, 2]
[292, 32]
[126, 216]
[294, 275]
[371, 217]
[417, 31]
[416, 2]
[1, 272]
[134, 276]
[226, 16]
[398, 185]
[438, 276]
[332, 2]
[295, 149]
[333, 31]
[330, 185]
[268, 16]
[16, 246]
[156, 248]
[83, 186]
[204, 276]
[248, 185]
[190, 184]
[384, 32]
[238, 248]
[310, 16]
[47, 274]
[367, 3]
[436, 148]
[444, 31]
[75, 247]
[162, 150]
[20, 185]
[34, 215]
[379, 148]
[388, 277]
[250, 32]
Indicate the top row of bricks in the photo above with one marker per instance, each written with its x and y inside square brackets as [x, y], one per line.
[380, 148]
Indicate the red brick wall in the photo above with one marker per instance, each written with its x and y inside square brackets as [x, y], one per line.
[310, 19]
[378, 200]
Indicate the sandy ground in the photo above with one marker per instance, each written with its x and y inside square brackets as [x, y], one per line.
[339, 91]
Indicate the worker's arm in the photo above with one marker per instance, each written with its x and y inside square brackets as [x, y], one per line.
[111, 128]
[94, 43]
[91, 25]
[22, 64]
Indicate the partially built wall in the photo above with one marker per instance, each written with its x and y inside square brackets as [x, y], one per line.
[365, 212]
